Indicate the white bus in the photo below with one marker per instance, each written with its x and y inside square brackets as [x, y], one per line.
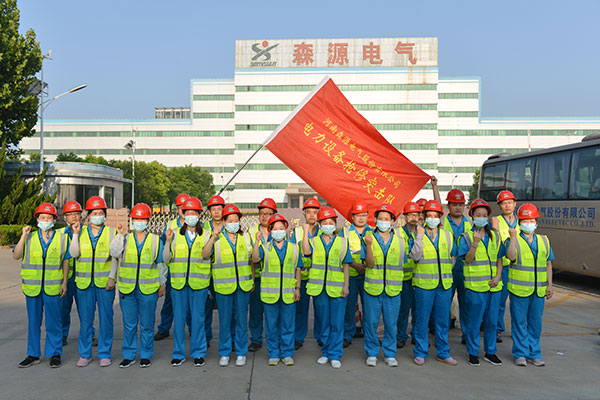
[564, 183]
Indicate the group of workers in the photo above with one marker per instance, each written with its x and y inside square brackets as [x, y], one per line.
[268, 274]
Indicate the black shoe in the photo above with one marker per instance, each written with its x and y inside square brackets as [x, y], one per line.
[161, 336]
[498, 338]
[473, 360]
[65, 342]
[298, 345]
[29, 361]
[176, 362]
[254, 347]
[320, 343]
[400, 343]
[55, 362]
[413, 341]
[359, 333]
[453, 323]
[94, 341]
[145, 363]
[347, 343]
[126, 363]
[199, 362]
[463, 341]
[492, 359]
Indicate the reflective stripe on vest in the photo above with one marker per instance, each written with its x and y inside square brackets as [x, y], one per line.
[71, 260]
[139, 269]
[410, 265]
[484, 266]
[230, 270]
[355, 242]
[466, 226]
[275, 283]
[503, 230]
[435, 264]
[188, 266]
[306, 261]
[388, 269]
[251, 235]
[37, 270]
[529, 272]
[326, 269]
[94, 262]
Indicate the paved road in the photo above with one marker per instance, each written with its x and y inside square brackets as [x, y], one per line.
[570, 344]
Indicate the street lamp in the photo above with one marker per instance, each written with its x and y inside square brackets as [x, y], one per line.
[131, 146]
[46, 103]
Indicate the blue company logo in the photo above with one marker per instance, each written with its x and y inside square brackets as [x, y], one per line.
[262, 56]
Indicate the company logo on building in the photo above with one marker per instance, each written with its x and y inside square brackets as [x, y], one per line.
[262, 56]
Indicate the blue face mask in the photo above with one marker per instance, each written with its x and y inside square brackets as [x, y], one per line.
[278, 235]
[328, 229]
[480, 222]
[432, 222]
[191, 220]
[140, 226]
[45, 225]
[97, 220]
[232, 227]
[528, 228]
[383, 226]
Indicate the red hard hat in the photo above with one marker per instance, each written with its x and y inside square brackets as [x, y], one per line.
[326, 212]
[456, 196]
[45, 208]
[505, 195]
[192, 203]
[141, 211]
[527, 211]
[359, 207]
[277, 217]
[216, 201]
[231, 209]
[479, 203]
[421, 202]
[311, 203]
[268, 203]
[181, 198]
[95, 203]
[72, 206]
[412, 207]
[387, 208]
[433, 205]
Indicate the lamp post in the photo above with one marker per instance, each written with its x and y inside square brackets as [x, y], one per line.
[131, 146]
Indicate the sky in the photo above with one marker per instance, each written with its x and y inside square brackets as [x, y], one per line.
[535, 58]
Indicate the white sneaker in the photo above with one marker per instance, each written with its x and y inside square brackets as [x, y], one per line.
[273, 362]
[224, 361]
[289, 361]
[322, 360]
[371, 361]
[391, 362]
[336, 364]
[240, 361]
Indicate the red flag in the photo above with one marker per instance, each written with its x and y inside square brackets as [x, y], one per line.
[342, 156]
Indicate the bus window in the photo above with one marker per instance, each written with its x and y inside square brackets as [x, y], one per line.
[493, 176]
[519, 178]
[585, 174]
[552, 176]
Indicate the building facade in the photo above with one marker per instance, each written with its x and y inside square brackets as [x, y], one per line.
[395, 83]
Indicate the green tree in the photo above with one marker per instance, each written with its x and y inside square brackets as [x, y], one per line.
[474, 191]
[191, 180]
[20, 60]
[18, 197]
[151, 183]
[68, 157]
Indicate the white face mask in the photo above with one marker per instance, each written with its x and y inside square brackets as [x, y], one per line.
[528, 228]
[45, 225]
[328, 229]
[383, 226]
[139, 226]
[278, 235]
[97, 220]
[191, 220]
[432, 222]
[232, 227]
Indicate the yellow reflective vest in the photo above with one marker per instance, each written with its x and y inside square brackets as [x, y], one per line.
[37, 270]
[436, 263]
[279, 280]
[72, 262]
[504, 235]
[306, 261]
[229, 269]
[138, 268]
[387, 273]
[410, 265]
[187, 264]
[355, 242]
[484, 266]
[250, 238]
[94, 263]
[327, 269]
[528, 274]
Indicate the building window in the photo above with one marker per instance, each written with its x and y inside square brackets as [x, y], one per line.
[458, 95]
[218, 97]
[109, 196]
[459, 114]
[223, 115]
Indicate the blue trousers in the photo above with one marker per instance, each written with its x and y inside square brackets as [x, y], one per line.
[138, 307]
[230, 306]
[256, 314]
[330, 313]
[407, 305]
[458, 286]
[188, 301]
[302, 307]
[374, 307]
[66, 304]
[279, 329]
[36, 307]
[483, 307]
[503, 298]
[356, 288]
[526, 319]
[88, 299]
[208, 312]
[166, 312]
[438, 301]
